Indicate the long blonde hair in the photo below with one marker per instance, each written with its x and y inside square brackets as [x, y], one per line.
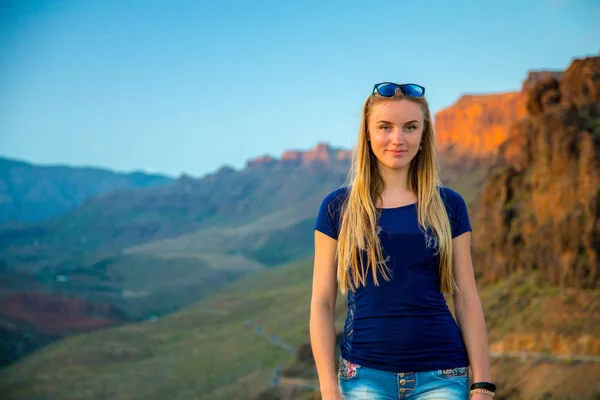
[359, 215]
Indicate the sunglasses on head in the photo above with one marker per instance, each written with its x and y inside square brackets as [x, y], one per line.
[388, 89]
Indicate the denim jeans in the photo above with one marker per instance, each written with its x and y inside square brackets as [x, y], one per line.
[360, 382]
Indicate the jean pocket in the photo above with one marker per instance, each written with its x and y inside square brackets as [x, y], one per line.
[347, 370]
[454, 373]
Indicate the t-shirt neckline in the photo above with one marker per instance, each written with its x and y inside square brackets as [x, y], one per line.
[397, 208]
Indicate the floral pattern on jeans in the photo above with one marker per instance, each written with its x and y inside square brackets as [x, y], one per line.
[347, 369]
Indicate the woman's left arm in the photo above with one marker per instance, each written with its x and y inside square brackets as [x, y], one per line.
[468, 309]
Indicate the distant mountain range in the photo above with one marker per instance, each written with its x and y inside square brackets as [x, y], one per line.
[30, 192]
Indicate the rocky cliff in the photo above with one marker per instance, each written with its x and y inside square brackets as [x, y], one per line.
[540, 207]
[477, 124]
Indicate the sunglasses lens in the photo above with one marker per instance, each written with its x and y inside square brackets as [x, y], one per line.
[387, 89]
[413, 90]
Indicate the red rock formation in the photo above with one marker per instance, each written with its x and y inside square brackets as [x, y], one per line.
[263, 160]
[321, 154]
[477, 124]
[540, 208]
[291, 156]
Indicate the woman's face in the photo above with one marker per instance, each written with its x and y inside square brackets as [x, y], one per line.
[395, 129]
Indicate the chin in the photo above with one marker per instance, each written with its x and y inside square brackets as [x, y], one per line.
[396, 165]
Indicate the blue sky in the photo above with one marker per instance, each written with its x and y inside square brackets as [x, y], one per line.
[188, 86]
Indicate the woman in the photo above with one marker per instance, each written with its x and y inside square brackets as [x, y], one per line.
[393, 240]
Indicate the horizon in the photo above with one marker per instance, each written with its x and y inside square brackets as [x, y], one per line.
[133, 171]
[97, 84]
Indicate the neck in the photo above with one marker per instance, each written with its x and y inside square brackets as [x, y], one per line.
[395, 180]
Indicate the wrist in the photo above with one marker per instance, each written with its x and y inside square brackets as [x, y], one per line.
[480, 376]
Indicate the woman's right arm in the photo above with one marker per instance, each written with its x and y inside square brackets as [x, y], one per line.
[322, 315]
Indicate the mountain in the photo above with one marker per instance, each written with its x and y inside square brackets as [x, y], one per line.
[477, 124]
[226, 199]
[31, 192]
[540, 207]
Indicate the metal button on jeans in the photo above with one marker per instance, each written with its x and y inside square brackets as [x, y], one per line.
[401, 374]
[403, 382]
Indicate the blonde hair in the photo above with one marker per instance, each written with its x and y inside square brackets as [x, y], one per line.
[359, 215]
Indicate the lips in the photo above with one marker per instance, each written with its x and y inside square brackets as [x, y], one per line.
[398, 151]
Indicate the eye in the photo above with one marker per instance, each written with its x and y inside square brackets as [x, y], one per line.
[411, 127]
[385, 128]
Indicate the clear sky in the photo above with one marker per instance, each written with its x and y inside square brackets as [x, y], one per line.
[187, 86]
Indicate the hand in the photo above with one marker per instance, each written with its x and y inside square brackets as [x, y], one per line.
[481, 396]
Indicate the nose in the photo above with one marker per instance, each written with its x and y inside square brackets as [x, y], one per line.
[397, 137]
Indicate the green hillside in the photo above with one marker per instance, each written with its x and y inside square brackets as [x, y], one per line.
[210, 350]
[143, 285]
[265, 240]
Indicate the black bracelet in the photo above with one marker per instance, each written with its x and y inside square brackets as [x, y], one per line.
[484, 385]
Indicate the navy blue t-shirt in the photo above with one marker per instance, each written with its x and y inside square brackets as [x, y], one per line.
[402, 325]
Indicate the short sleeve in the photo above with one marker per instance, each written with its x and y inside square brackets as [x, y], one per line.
[328, 218]
[458, 214]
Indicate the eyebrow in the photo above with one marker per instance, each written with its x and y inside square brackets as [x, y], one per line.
[409, 122]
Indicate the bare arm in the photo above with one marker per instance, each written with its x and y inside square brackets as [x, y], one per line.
[322, 314]
[468, 309]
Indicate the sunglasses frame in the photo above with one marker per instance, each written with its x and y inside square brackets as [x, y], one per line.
[398, 86]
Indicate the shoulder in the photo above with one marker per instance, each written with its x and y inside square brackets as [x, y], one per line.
[456, 208]
[328, 219]
[455, 204]
[450, 197]
[334, 200]
[337, 196]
